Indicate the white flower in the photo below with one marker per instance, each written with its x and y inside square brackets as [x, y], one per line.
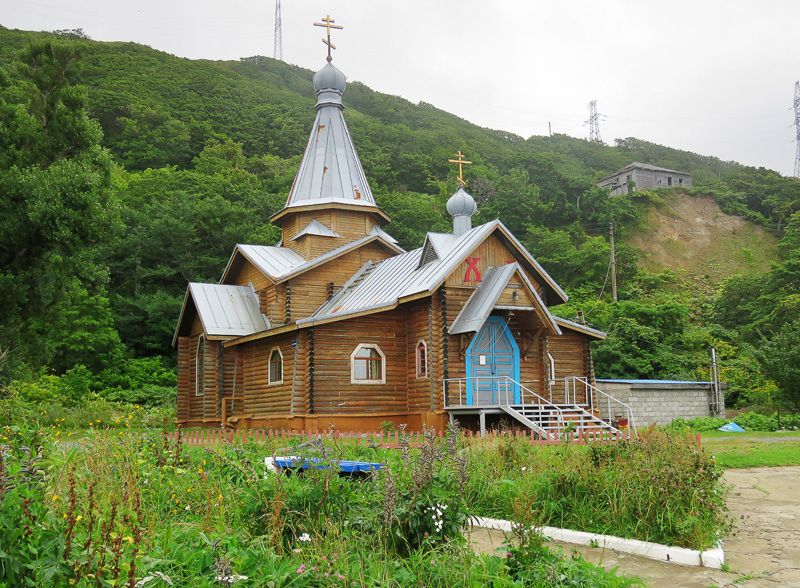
[188, 507]
[305, 537]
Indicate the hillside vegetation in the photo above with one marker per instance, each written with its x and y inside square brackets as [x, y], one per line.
[126, 172]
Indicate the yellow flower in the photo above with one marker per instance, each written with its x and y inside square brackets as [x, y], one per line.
[199, 470]
[78, 518]
[55, 497]
[128, 538]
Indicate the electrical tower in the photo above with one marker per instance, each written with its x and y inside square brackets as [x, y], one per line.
[797, 129]
[277, 49]
[594, 123]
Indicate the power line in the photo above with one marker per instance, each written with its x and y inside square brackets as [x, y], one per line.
[797, 129]
[277, 48]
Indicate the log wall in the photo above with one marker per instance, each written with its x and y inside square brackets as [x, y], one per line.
[261, 397]
[333, 343]
[348, 224]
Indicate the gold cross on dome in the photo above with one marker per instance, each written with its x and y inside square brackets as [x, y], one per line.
[327, 23]
[461, 162]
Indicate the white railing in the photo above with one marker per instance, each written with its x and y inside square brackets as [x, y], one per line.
[603, 403]
[497, 384]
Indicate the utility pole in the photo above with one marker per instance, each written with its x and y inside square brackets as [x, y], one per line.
[549, 128]
[613, 264]
[797, 129]
[594, 123]
[716, 395]
[277, 48]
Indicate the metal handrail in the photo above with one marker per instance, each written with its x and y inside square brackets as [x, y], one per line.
[590, 396]
[561, 423]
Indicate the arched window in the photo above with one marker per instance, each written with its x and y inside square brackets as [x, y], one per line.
[275, 366]
[368, 365]
[200, 367]
[422, 359]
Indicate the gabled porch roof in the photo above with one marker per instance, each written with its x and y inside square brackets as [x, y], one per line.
[225, 311]
[484, 299]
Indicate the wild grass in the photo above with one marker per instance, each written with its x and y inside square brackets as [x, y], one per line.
[659, 487]
[122, 508]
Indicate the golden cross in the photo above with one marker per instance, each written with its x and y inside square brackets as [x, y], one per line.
[461, 162]
[327, 23]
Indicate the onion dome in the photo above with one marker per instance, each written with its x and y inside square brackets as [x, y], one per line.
[461, 206]
[329, 84]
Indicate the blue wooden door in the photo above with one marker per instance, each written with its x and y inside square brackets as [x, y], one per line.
[493, 365]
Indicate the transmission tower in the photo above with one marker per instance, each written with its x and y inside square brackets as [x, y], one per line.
[277, 50]
[797, 129]
[594, 123]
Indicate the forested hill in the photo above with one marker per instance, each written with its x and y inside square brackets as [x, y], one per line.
[126, 172]
[157, 109]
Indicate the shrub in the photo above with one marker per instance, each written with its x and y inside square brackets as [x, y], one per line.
[749, 421]
[660, 486]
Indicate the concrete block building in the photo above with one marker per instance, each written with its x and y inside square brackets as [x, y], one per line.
[644, 176]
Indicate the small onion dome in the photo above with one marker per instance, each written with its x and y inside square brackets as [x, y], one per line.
[329, 78]
[461, 204]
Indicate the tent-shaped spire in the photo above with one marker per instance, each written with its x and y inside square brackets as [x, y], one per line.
[330, 171]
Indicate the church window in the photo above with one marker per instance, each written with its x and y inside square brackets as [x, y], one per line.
[422, 359]
[276, 366]
[368, 365]
[200, 367]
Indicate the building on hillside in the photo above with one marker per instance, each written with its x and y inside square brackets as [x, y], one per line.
[338, 325]
[644, 176]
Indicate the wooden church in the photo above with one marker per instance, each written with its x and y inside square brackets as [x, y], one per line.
[337, 325]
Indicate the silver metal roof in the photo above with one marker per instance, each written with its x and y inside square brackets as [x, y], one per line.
[228, 311]
[376, 230]
[573, 326]
[384, 284]
[482, 302]
[330, 171]
[275, 262]
[315, 228]
[333, 253]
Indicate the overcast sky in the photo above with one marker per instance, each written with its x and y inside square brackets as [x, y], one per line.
[711, 76]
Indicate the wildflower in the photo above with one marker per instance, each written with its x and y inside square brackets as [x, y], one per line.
[297, 550]
[55, 497]
[188, 507]
[128, 538]
[78, 518]
[305, 537]
[301, 569]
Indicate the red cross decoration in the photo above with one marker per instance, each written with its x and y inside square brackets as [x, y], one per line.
[473, 273]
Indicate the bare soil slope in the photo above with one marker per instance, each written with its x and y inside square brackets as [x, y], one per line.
[691, 235]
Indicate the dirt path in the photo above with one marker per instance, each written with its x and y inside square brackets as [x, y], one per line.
[765, 550]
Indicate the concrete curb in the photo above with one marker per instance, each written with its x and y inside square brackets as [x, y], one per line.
[710, 558]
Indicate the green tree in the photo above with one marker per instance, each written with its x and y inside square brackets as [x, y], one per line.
[780, 356]
[56, 207]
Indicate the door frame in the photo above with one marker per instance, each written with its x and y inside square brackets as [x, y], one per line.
[493, 319]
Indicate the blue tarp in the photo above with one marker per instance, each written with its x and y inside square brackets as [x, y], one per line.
[731, 428]
[345, 466]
